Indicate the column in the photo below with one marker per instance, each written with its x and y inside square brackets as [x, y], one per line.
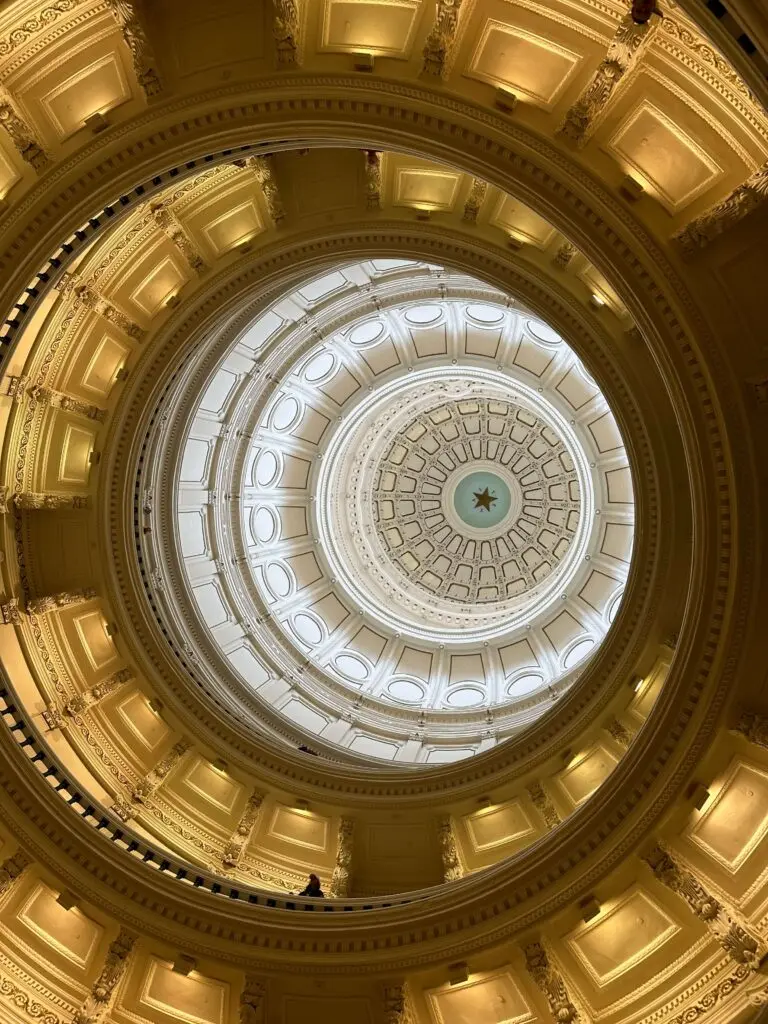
[341, 878]
[551, 983]
[624, 50]
[449, 851]
[544, 805]
[11, 869]
[64, 598]
[96, 1005]
[442, 35]
[234, 848]
[89, 698]
[21, 135]
[135, 36]
[733, 934]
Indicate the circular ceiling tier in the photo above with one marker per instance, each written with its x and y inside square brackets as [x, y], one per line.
[418, 522]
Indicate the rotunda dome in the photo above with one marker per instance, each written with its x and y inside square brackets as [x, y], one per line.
[430, 511]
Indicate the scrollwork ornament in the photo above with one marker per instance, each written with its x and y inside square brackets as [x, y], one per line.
[96, 1004]
[729, 211]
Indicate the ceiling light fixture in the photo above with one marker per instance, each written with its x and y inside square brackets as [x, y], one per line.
[184, 964]
[506, 101]
[67, 900]
[631, 188]
[458, 973]
[597, 300]
[364, 62]
[698, 794]
[96, 122]
[590, 908]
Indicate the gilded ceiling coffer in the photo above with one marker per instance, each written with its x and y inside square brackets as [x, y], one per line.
[22, 136]
[551, 983]
[233, 849]
[449, 851]
[342, 872]
[624, 50]
[734, 934]
[96, 1005]
[747, 197]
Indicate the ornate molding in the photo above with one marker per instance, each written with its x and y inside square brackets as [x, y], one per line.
[62, 599]
[551, 983]
[86, 294]
[29, 501]
[723, 215]
[264, 169]
[342, 872]
[564, 255]
[449, 851]
[733, 934]
[286, 30]
[22, 136]
[252, 1000]
[624, 50]
[754, 726]
[171, 227]
[475, 200]
[543, 805]
[89, 698]
[373, 182]
[96, 1005]
[233, 850]
[619, 732]
[157, 775]
[397, 1005]
[12, 869]
[441, 38]
[127, 16]
[27, 1004]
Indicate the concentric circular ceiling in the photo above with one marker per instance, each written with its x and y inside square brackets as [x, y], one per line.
[418, 521]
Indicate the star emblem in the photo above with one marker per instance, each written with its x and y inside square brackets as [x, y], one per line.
[484, 499]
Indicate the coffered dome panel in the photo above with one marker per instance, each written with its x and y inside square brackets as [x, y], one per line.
[402, 491]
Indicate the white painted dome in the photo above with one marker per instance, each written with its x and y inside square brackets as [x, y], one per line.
[422, 511]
